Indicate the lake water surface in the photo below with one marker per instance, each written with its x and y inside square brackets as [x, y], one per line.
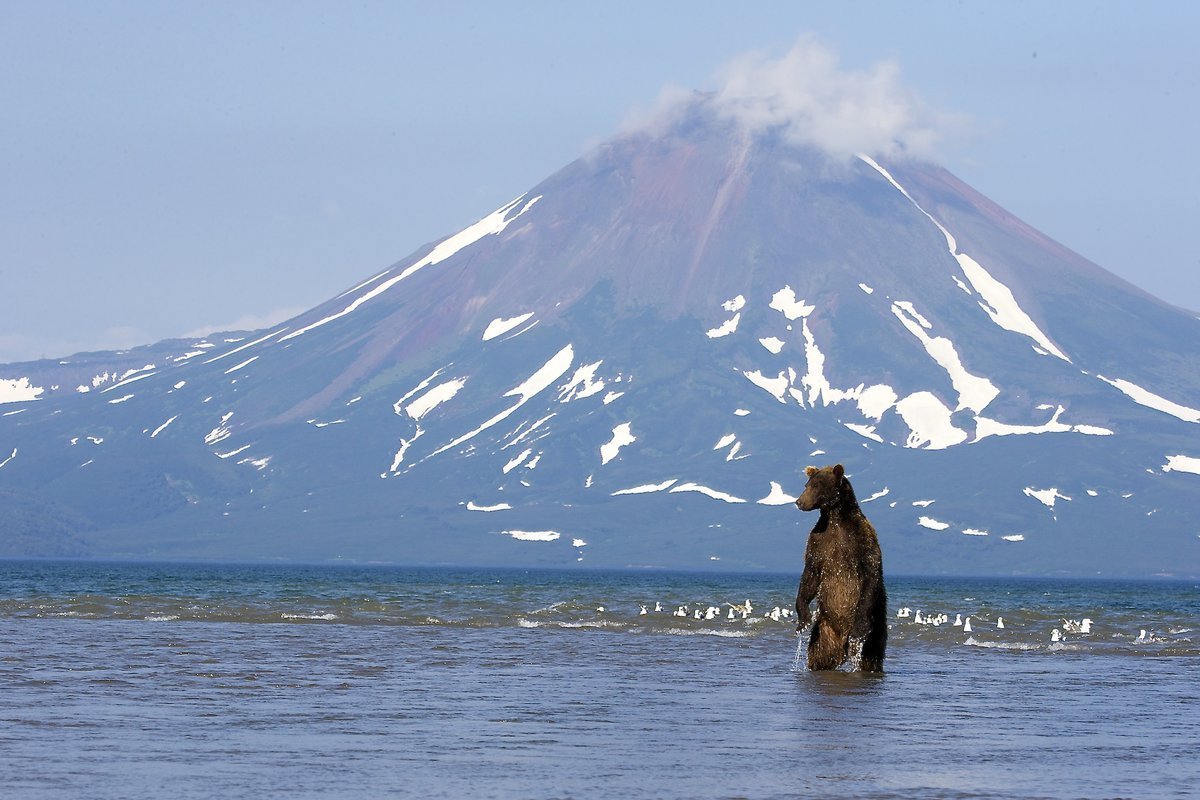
[147, 681]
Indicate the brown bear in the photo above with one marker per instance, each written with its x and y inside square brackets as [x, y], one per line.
[843, 570]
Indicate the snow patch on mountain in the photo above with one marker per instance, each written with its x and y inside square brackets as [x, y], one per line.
[473, 506]
[540, 380]
[776, 386]
[998, 301]
[258, 463]
[492, 224]
[773, 344]
[647, 488]
[867, 431]
[1002, 307]
[405, 444]
[875, 400]
[974, 392]
[398, 406]
[704, 490]
[928, 420]
[518, 461]
[163, 427]
[818, 385]
[881, 493]
[777, 496]
[246, 346]
[989, 427]
[528, 433]
[245, 363]
[1149, 399]
[132, 376]
[500, 326]
[621, 437]
[533, 536]
[1182, 464]
[1046, 497]
[221, 432]
[725, 328]
[1092, 430]
[433, 398]
[583, 384]
[18, 390]
[785, 302]
[109, 377]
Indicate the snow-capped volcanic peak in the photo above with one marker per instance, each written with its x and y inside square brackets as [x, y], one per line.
[634, 360]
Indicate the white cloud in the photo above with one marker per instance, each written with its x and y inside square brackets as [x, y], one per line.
[810, 99]
[246, 322]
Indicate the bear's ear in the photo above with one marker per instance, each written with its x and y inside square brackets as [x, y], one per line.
[838, 471]
[810, 471]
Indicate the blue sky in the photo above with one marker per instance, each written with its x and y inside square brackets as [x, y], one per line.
[171, 167]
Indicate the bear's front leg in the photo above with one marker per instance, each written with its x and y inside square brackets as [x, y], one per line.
[803, 617]
[807, 590]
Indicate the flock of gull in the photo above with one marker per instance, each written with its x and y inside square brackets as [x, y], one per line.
[736, 611]
[742, 611]
[1058, 634]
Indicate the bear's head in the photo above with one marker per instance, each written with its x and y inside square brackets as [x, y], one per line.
[826, 488]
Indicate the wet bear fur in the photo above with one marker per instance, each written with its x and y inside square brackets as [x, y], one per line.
[843, 572]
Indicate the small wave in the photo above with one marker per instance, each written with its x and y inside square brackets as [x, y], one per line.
[552, 608]
[162, 618]
[973, 642]
[706, 632]
[287, 615]
[599, 623]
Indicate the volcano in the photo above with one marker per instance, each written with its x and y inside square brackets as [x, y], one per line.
[630, 365]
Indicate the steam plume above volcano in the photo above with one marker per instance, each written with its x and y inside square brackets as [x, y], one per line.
[807, 95]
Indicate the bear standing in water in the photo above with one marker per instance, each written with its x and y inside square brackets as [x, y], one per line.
[843, 570]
